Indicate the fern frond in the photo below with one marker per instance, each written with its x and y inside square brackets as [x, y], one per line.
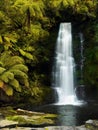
[22, 52]
[8, 60]
[6, 76]
[20, 67]
[7, 39]
[15, 84]
[14, 60]
[29, 56]
[29, 49]
[26, 83]
[1, 41]
[26, 54]
[8, 90]
[1, 64]
[18, 73]
[4, 58]
[2, 70]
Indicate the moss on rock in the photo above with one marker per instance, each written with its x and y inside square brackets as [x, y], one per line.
[25, 117]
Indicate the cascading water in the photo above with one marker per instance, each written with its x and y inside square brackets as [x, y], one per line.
[64, 66]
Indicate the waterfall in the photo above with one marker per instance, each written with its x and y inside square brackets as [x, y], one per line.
[63, 73]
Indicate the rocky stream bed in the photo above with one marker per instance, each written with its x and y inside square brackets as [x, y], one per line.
[20, 119]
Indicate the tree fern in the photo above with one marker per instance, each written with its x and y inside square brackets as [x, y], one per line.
[4, 57]
[15, 84]
[18, 73]
[2, 70]
[13, 73]
[1, 41]
[14, 60]
[8, 90]
[20, 67]
[29, 9]
[24, 82]
[29, 48]
[28, 55]
[7, 76]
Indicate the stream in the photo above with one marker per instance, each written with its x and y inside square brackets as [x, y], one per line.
[72, 115]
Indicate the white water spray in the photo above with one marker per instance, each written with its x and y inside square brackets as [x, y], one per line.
[64, 67]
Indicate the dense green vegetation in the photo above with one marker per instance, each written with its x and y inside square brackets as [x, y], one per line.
[28, 31]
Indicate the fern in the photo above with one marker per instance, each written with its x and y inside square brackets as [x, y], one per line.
[29, 49]
[2, 70]
[26, 54]
[26, 83]
[8, 90]
[14, 60]
[1, 41]
[9, 60]
[7, 39]
[18, 73]
[15, 84]
[13, 73]
[6, 76]
[29, 56]
[5, 57]
[22, 52]
[20, 67]
[36, 9]
[1, 64]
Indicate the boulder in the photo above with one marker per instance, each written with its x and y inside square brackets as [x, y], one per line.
[92, 124]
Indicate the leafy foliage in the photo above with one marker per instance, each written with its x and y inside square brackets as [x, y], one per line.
[91, 54]
[13, 73]
[84, 9]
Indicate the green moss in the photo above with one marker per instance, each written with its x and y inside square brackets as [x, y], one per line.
[28, 117]
[6, 111]
[91, 127]
[16, 118]
[33, 120]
